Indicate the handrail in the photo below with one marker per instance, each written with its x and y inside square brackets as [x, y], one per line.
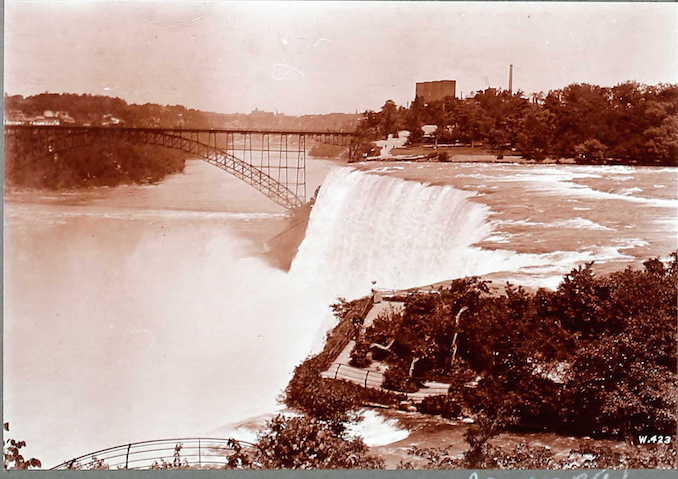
[208, 448]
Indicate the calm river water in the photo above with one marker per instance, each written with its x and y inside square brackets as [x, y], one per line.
[140, 312]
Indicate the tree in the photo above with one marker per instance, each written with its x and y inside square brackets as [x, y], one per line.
[389, 119]
[536, 133]
[473, 124]
[661, 142]
[13, 457]
[497, 138]
[413, 120]
[308, 443]
[591, 151]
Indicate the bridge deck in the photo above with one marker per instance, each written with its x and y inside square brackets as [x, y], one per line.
[184, 130]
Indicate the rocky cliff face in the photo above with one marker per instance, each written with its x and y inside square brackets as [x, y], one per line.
[283, 247]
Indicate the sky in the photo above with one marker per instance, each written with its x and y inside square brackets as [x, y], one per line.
[308, 57]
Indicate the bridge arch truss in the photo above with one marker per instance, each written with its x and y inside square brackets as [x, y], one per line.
[272, 162]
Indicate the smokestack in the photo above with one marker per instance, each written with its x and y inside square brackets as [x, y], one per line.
[510, 78]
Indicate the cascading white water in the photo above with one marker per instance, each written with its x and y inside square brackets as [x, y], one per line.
[366, 227]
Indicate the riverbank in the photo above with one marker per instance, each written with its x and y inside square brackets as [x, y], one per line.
[435, 434]
[458, 154]
[327, 151]
[467, 154]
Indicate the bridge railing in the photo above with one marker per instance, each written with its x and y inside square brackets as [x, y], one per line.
[171, 453]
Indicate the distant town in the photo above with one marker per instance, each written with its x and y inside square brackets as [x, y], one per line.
[67, 109]
[55, 118]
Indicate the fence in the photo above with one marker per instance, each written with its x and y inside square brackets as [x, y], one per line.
[343, 332]
[374, 379]
[173, 453]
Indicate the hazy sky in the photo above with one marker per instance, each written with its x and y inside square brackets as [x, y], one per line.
[325, 57]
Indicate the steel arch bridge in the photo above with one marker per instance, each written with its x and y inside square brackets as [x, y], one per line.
[271, 161]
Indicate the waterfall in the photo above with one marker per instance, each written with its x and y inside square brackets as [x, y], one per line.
[366, 227]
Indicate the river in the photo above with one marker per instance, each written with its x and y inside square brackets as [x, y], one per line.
[141, 312]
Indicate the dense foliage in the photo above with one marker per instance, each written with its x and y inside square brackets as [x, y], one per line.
[525, 456]
[104, 164]
[13, 458]
[309, 443]
[445, 405]
[629, 122]
[595, 357]
[333, 400]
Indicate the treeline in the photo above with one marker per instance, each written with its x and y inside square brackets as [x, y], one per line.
[109, 163]
[628, 123]
[90, 109]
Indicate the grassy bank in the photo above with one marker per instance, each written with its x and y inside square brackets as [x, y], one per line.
[324, 150]
[477, 154]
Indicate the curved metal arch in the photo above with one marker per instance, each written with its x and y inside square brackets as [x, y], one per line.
[253, 176]
[142, 454]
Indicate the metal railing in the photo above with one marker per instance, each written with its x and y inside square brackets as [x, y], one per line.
[368, 378]
[172, 453]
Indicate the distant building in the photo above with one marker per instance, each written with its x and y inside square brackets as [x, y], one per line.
[258, 112]
[108, 120]
[65, 117]
[42, 121]
[432, 91]
[16, 117]
[429, 130]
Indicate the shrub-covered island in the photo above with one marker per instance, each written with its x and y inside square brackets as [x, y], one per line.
[595, 358]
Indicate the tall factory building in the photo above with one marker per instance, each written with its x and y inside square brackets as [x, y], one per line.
[432, 91]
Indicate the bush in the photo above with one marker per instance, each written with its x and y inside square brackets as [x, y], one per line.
[525, 456]
[13, 459]
[321, 398]
[591, 151]
[443, 405]
[443, 156]
[308, 443]
[330, 399]
[397, 379]
[359, 357]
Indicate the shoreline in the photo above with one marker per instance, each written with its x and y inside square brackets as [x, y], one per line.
[481, 155]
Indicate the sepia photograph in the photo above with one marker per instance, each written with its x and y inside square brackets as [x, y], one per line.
[243, 235]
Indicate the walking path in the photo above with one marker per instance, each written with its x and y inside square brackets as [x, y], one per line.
[373, 375]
